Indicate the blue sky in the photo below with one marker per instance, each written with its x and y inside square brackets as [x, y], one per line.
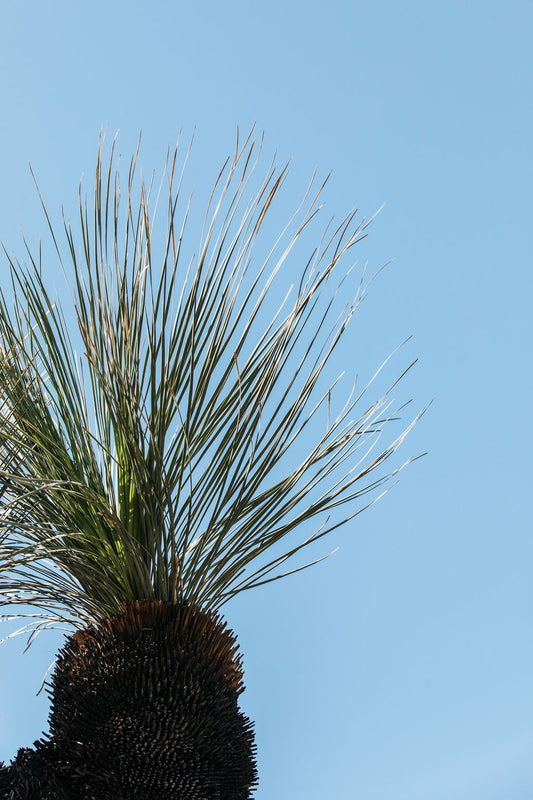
[401, 668]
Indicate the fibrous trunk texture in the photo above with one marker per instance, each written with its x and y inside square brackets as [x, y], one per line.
[145, 707]
[33, 775]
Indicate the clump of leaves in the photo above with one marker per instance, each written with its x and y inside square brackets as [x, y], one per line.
[158, 462]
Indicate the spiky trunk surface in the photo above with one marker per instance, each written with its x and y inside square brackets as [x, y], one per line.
[145, 706]
[33, 775]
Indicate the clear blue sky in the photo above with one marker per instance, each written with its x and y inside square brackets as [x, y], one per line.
[402, 668]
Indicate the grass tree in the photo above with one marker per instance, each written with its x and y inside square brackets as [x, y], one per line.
[169, 438]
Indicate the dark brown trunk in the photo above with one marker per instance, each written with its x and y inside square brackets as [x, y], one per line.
[145, 707]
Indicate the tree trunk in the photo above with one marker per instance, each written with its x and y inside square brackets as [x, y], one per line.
[145, 707]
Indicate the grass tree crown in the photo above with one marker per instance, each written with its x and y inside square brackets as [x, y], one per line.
[154, 457]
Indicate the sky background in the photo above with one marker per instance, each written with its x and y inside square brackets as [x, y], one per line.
[402, 667]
